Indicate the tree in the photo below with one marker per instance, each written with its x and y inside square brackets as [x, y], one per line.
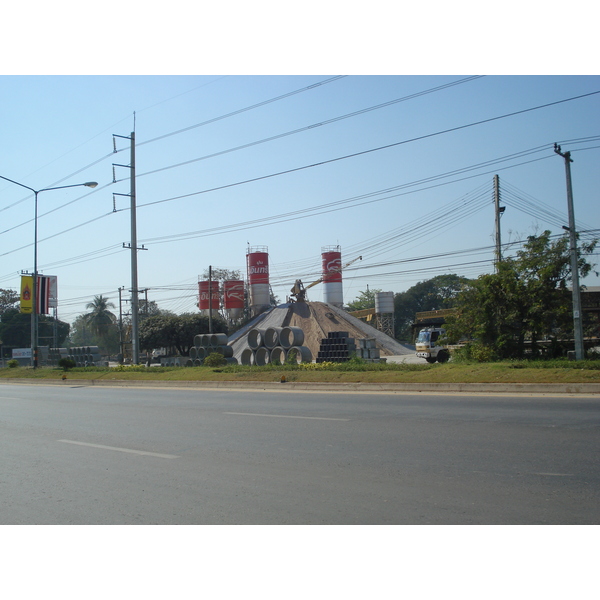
[365, 299]
[176, 332]
[433, 294]
[8, 299]
[15, 330]
[150, 309]
[82, 335]
[100, 319]
[527, 298]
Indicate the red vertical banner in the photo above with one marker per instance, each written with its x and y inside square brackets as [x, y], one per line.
[205, 297]
[332, 266]
[233, 291]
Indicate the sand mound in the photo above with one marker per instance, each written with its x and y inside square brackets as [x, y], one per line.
[316, 319]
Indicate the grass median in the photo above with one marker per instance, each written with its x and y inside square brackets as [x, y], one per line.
[534, 371]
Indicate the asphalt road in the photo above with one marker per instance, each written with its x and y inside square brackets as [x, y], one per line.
[96, 455]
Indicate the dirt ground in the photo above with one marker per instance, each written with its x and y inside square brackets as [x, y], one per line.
[317, 319]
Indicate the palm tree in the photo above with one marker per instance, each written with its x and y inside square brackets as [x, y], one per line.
[100, 319]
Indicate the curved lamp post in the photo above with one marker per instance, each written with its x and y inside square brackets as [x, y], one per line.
[34, 315]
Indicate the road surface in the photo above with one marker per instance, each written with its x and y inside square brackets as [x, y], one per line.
[98, 455]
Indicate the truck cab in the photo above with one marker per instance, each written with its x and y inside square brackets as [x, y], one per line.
[427, 348]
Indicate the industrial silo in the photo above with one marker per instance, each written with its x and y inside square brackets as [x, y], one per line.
[384, 303]
[257, 262]
[207, 303]
[333, 293]
[233, 298]
[384, 312]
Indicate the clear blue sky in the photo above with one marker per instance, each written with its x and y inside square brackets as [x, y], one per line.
[197, 206]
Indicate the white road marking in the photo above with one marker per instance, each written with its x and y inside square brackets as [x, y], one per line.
[129, 450]
[285, 416]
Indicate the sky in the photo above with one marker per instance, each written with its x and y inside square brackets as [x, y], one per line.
[293, 148]
[397, 169]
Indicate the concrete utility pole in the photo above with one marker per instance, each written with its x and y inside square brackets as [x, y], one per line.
[121, 349]
[498, 211]
[135, 339]
[577, 317]
[210, 327]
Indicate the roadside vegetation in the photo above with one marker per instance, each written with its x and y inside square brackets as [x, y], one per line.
[517, 324]
[354, 371]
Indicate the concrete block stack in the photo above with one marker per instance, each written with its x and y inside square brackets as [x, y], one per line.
[339, 347]
[336, 347]
[367, 350]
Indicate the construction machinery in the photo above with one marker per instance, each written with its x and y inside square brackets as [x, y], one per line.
[298, 292]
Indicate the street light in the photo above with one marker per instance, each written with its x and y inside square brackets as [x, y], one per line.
[34, 316]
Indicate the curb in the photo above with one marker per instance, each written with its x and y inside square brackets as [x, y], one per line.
[439, 388]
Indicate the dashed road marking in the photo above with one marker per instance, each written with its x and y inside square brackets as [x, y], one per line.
[285, 416]
[129, 450]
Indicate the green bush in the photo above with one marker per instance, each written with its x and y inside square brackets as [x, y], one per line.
[67, 363]
[13, 364]
[130, 368]
[215, 359]
[476, 352]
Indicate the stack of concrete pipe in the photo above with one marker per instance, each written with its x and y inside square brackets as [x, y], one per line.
[207, 343]
[275, 344]
[175, 361]
[85, 356]
[55, 354]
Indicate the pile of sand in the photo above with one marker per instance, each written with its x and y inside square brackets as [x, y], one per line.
[316, 319]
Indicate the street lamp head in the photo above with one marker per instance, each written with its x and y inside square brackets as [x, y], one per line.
[91, 184]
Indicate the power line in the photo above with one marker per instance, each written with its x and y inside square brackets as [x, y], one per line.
[319, 209]
[271, 100]
[243, 110]
[312, 126]
[326, 208]
[364, 152]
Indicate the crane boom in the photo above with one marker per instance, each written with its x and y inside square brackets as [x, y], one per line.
[299, 290]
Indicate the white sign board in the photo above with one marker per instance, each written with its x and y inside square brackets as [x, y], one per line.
[21, 353]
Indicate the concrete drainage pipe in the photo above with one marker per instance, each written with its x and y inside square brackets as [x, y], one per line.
[278, 354]
[299, 354]
[218, 339]
[291, 336]
[247, 357]
[261, 356]
[255, 338]
[226, 351]
[271, 338]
